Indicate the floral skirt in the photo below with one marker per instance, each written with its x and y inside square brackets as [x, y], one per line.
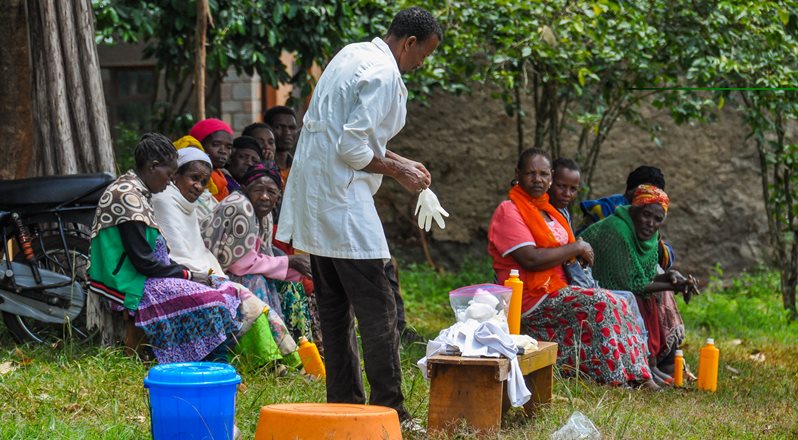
[185, 321]
[596, 333]
[286, 298]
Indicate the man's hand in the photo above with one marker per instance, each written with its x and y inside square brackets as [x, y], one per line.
[301, 264]
[413, 176]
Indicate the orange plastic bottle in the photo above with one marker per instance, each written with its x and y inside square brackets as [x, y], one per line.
[514, 314]
[708, 359]
[311, 359]
[678, 369]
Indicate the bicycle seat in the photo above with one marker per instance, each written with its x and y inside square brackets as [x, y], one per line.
[54, 190]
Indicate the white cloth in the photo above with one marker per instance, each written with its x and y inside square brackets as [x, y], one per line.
[357, 106]
[481, 339]
[178, 223]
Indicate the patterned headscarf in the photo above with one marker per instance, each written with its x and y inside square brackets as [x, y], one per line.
[265, 169]
[650, 194]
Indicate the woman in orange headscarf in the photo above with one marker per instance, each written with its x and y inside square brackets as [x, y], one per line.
[594, 329]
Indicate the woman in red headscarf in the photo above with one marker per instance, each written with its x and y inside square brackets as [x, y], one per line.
[626, 251]
[216, 137]
[596, 332]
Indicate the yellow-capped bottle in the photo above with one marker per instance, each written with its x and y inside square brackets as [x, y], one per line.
[311, 359]
[708, 359]
[678, 369]
[514, 313]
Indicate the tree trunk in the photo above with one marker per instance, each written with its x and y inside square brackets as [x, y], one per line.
[16, 119]
[70, 123]
[789, 280]
[68, 131]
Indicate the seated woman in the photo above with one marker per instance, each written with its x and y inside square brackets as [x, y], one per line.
[185, 314]
[175, 212]
[626, 251]
[206, 201]
[670, 320]
[566, 181]
[216, 137]
[593, 328]
[246, 152]
[239, 234]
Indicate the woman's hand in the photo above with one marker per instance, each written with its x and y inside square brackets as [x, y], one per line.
[202, 278]
[585, 251]
[680, 283]
[301, 264]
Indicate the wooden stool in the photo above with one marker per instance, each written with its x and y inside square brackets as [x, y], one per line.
[327, 421]
[474, 389]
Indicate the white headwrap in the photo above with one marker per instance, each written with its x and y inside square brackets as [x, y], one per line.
[186, 155]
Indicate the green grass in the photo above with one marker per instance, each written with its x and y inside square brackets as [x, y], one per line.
[74, 392]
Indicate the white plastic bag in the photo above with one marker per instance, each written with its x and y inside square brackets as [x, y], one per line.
[578, 427]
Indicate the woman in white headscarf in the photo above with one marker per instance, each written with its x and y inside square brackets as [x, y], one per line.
[175, 211]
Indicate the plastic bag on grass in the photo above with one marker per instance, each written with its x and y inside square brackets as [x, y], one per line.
[578, 427]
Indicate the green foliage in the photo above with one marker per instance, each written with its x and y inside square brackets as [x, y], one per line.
[746, 308]
[575, 67]
[753, 44]
[124, 146]
[249, 36]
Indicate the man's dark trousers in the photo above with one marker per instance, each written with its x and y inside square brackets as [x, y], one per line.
[347, 289]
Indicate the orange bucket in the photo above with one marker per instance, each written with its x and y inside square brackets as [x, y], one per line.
[327, 421]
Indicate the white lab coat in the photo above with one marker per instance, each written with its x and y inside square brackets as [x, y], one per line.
[358, 105]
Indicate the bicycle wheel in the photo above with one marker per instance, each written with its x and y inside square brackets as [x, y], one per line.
[52, 256]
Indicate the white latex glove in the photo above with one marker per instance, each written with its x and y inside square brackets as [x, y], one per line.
[428, 208]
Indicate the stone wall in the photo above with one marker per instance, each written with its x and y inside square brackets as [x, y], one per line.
[241, 100]
[469, 146]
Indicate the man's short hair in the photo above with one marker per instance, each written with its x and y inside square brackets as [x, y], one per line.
[268, 117]
[415, 22]
[645, 174]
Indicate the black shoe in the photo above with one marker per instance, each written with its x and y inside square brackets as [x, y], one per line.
[410, 336]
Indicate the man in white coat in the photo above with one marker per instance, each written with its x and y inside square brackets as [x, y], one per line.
[328, 209]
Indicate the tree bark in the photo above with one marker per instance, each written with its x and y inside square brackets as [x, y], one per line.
[16, 119]
[71, 133]
[102, 148]
[70, 123]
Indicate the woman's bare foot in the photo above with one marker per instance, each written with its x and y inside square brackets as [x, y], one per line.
[661, 378]
[650, 385]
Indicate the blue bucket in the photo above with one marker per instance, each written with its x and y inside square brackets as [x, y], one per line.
[192, 400]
